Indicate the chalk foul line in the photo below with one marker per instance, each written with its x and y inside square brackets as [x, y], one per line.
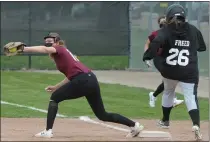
[88, 120]
[29, 107]
[82, 118]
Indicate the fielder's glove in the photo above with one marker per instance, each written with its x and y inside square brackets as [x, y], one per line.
[148, 63]
[13, 48]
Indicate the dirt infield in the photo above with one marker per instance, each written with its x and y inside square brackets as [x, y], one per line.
[23, 129]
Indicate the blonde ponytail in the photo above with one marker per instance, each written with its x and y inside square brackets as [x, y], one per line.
[61, 42]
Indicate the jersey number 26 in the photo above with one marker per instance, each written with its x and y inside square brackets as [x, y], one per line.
[182, 60]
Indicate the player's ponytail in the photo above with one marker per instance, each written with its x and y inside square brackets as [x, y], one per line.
[177, 20]
[161, 21]
[61, 43]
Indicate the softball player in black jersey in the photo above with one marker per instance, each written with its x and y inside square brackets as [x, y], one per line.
[178, 43]
[158, 65]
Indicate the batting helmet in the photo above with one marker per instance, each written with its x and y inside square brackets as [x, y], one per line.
[175, 10]
[56, 36]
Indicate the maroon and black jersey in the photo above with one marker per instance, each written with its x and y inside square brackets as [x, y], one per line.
[67, 63]
[152, 36]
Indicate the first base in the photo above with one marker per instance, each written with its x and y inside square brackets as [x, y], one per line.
[154, 134]
[143, 134]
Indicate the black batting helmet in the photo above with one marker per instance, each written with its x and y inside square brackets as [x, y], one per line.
[56, 36]
[175, 10]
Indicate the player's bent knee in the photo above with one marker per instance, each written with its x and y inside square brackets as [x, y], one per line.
[53, 103]
[191, 104]
[168, 99]
[54, 97]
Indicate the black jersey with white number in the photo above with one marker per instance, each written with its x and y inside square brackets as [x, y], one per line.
[179, 49]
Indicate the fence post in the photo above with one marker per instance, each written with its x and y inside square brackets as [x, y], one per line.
[29, 33]
[189, 11]
[129, 31]
[199, 16]
[150, 17]
[209, 53]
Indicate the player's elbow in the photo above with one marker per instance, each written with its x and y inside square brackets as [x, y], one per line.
[201, 49]
[146, 46]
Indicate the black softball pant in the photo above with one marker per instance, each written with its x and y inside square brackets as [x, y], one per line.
[86, 84]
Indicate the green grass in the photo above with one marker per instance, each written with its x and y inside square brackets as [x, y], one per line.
[28, 89]
[19, 112]
[44, 62]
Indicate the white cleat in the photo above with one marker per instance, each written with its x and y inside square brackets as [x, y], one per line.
[135, 130]
[152, 99]
[198, 135]
[45, 134]
[177, 102]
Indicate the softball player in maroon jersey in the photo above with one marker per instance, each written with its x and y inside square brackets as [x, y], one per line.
[79, 82]
[157, 62]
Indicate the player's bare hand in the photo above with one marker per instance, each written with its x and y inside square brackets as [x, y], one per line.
[148, 63]
[50, 89]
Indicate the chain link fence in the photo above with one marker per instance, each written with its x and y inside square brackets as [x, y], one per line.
[92, 28]
[143, 20]
[88, 28]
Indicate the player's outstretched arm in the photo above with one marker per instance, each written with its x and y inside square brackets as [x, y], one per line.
[14, 48]
[154, 47]
[40, 49]
[146, 46]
